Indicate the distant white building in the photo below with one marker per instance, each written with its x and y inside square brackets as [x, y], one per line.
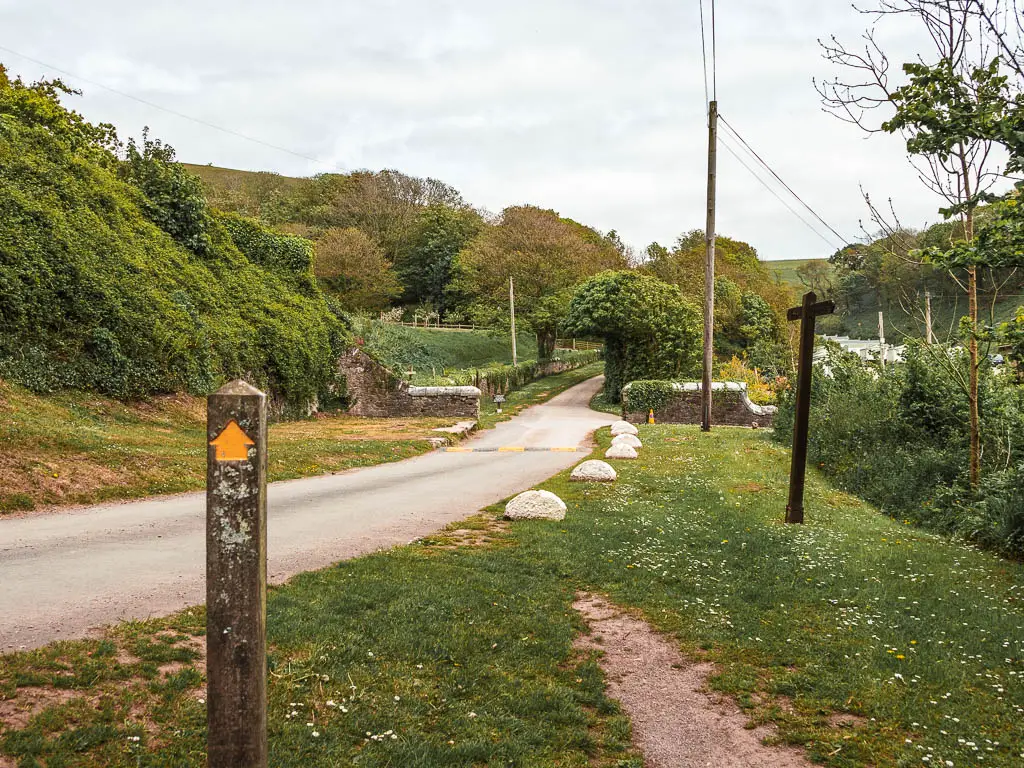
[866, 349]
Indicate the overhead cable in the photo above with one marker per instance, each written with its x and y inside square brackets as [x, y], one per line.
[789, 189]
[775, 194]
[176, 113]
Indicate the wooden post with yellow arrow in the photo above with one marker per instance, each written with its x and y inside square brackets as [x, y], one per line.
[236, 577]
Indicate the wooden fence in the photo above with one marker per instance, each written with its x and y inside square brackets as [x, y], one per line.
[577, 344]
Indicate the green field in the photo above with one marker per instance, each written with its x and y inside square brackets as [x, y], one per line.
[430, 352]
[785, 271]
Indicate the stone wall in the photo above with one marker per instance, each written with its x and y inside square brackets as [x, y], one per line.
[729, 405]
[376, 391]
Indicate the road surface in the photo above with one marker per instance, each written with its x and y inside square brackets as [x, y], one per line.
[62, 574]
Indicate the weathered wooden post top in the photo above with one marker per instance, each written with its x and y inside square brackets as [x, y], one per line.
[805, 313]
[236, 577]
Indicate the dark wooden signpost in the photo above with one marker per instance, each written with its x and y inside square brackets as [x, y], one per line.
[805, 313]
[236, 577]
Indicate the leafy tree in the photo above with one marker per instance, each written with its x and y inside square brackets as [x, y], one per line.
[818, 276]
[353, 267]
[385, 205]
[650, 331]
[431, 264]
[543, 253]
[759, 321]
[949, 110]
[174, 199]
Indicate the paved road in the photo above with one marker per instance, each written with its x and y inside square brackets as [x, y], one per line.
[66, 572]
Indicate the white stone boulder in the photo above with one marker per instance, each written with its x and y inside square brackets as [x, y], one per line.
[627, 439]
[535, 505]
[621, 451]
[594, 471]
[623, 428]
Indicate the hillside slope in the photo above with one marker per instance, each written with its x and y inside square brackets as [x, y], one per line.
[857, 313]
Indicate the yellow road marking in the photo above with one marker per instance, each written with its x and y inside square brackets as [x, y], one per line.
[515, 448]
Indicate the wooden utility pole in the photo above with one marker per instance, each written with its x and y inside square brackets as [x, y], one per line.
[928, 335]
[881, 340]
[709, 272]
[512, 312]
[236, 577]
[805, 313]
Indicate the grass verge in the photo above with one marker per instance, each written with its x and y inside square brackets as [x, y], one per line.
[456, 651]
[79, 448]
[600, 403]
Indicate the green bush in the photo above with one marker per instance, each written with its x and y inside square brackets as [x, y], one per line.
[899, 439]
[104, 288]
[647, 395]
[649, 329]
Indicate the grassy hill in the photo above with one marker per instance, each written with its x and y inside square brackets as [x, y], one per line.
[430, 352]
[861, 319]
[785, 271]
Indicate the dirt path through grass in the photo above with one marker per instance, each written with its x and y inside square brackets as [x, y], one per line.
[677, 722]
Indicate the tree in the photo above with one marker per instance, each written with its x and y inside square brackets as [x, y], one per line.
[385, 205]
[650, 331]
[542, 252]
[817, 275]
[947, 111]
[352, 266]
[431, 264]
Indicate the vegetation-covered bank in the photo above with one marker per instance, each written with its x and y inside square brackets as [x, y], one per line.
[866, 642]
[116, 277]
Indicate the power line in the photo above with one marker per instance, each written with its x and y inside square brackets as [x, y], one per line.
[779, 178]
[774, 193]
[714, 55]
[703, 51]
[174, 112]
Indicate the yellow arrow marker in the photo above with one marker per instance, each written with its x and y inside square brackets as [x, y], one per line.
[232, 443]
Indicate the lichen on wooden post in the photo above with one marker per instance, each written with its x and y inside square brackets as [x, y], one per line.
[236, 577]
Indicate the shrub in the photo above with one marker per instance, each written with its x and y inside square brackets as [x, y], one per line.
[648, 395]
[898, 438]
[649, 330]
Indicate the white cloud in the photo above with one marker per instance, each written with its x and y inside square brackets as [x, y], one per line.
[592, 107]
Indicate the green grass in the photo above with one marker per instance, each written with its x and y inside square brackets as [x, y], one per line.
[464, 652]
[432, 352]
[80, 448]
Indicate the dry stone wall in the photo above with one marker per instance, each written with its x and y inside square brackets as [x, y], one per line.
[730, 405]
[376, 391]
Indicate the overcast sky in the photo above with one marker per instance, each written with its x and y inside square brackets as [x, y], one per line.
[594, 108]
